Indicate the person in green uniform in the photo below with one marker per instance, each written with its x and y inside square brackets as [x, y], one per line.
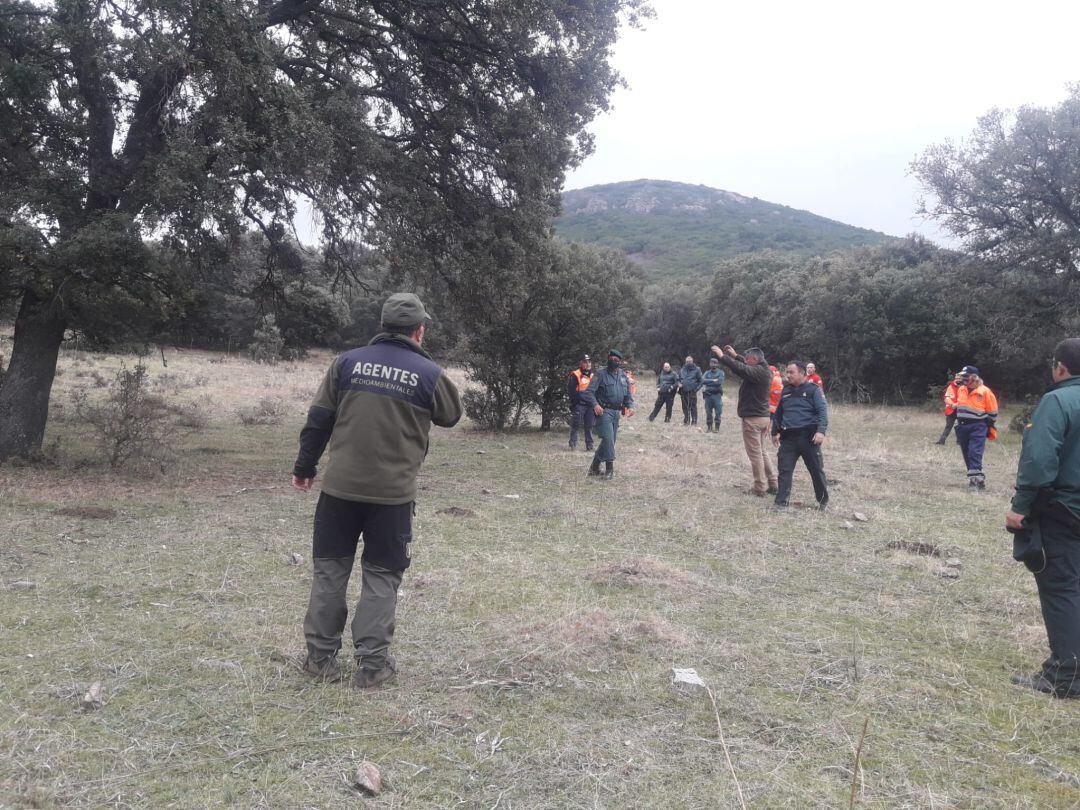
[1045, 517]
[712, 384]
[610, 397]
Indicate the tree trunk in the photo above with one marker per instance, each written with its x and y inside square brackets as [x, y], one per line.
[27, 383]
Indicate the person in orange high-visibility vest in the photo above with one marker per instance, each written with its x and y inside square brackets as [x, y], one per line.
[775, 388]
[581, 415]
[950, 406]
[976, 416]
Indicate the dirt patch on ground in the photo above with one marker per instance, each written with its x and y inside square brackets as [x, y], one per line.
[457, 511]
[433, 579]
[92, 512]
[643, 571]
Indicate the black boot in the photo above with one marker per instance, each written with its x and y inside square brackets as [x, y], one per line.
[594, 468]
[609, 469]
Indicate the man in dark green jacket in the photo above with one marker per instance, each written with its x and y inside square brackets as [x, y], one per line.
[610, 397]
[1047, 506]
[375, 408]
[667, 383]
[689, 385]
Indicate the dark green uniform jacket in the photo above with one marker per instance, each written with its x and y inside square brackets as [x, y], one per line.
[667, 382]
[713, 381]
[611, 389]
[375, 407]
[690, 377]
[1050, 458]
[801, 407]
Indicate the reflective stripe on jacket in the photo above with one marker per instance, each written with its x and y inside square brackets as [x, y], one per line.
[979, 405]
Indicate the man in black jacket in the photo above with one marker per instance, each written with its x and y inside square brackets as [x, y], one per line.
[798, 429]
[753, 410]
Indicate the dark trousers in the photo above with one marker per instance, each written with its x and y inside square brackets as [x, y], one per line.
[582, 418]
[607, 428]
[663, 399]
[714, 408]
[689, 407]
[972, 440]
[950, 420]
[387, 534]
[796, 444]
[1059, 597]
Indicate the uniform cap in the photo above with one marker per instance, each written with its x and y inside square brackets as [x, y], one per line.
[714, 361]
[970, 371]
[404, 309]
[585, 357]
[615, 353]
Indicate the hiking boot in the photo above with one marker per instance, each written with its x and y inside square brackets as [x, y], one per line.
[756, 493]
[364, 679]
[327, 670]
[773, 489]
[940, 441]
[593, 471]
[980, 484]
[973, 486]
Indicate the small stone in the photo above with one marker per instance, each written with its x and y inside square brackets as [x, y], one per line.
[687, 680]
[295, 559]
[486, 491]
[23, 585]
[954, 562]
[481, 452]
[513, 497]
[848, 525]
[94, 697]
[948, 573]
[368, 779]
[859, 516]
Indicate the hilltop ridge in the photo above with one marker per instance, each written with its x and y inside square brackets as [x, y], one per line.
[675, 229]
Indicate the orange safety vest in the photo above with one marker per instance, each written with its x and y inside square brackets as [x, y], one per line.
[633, 383]
[583, 379]
[950, 397]
[774, 391]
[979, 405]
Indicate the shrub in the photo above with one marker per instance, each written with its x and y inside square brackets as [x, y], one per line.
[132, 423]
[267, 411]
[1020, 421]
[267, 342]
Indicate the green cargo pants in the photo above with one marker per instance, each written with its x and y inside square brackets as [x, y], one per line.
[373, 618]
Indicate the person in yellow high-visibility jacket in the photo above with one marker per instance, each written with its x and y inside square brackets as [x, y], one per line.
[976, 416]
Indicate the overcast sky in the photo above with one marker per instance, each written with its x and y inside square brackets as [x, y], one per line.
[822, 106]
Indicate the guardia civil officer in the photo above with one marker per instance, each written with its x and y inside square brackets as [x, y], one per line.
[712, 387]
[667, 383]
[375, 408]
[610, 397]
[1045, 514]
[799, 424]
[689, 385]
[581, 415]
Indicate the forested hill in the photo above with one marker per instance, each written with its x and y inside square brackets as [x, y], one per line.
[677, 229]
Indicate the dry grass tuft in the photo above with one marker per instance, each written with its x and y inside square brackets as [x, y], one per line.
[643, 571]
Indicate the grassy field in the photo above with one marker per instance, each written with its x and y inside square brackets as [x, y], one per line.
[538, 625]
